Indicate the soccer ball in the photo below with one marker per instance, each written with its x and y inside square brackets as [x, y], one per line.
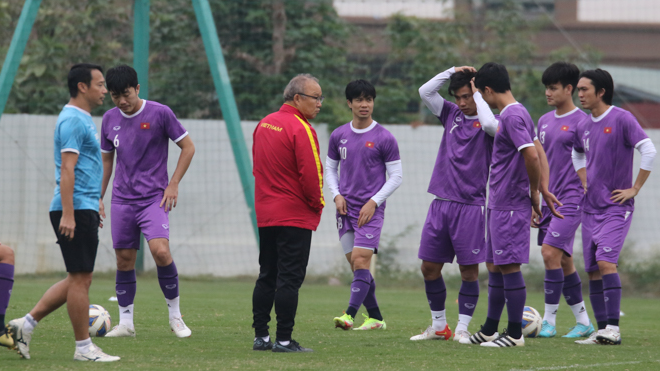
[99, 321]
[531, 322]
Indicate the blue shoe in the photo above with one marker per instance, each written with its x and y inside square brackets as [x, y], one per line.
[547, 331]
[580, 331]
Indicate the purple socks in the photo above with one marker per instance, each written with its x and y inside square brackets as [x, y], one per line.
[553, 285]
[168, 278]
[6, 284]
[612, 294]
[468, 297]
[598, 302]
[125, 287]
[573, 288]
[436, 293]
[496, 302]
[370, 301]
[516, 294]
[360, 288]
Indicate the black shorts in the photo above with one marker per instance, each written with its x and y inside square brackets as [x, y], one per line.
[80, 252]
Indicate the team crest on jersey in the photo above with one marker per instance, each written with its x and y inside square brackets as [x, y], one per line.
[586, 133]
[343, 141]
[564, 128]
[544, 126]
[370, 144]
[476, 124]
[458, 119]
[116, 128]
[608, 130]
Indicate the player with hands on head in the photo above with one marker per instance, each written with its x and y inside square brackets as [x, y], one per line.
[455, 223]
[364, 151]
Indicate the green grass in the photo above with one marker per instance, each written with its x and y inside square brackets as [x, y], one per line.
[219, 314]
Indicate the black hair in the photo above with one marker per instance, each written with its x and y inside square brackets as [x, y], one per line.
[459, 80]
[120, 78]
[494, 76]
[360, 88]
[81, 72]
[601, 79]
[563, 73]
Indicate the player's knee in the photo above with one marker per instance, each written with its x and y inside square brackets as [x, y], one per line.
[431, 271]
[552, 256]
[81, 280]
[162, 257]
[469, 273]
[6, 254]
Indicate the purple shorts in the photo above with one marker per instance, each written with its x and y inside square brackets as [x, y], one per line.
[603, 236]
[127, 220]
[508, 237]
[560, 233]
[368, 236]
[453, 229]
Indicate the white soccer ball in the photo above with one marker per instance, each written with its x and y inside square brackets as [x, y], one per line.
[531, 322]
[99, 321]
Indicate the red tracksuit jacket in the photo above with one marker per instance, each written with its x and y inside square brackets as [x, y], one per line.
[287, 171]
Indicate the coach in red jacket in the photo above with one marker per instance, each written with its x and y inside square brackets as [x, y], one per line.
[289, 201]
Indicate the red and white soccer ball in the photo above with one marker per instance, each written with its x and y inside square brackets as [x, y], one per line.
[531, 322]
[99, 321]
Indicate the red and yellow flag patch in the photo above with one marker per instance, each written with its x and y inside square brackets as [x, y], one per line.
[145, 125]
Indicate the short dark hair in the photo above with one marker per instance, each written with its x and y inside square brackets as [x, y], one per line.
[120, 78]
[601, 79]
[493, 75]
[81, 72]
[458, 80]
[360, 88]
[563, 73]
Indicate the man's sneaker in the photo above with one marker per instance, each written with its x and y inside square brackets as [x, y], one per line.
[95, 354]
[345, 322]
[479, 337]
[261, 344]
[609, 336]
[5, 338]
[591, 340]
[371, 324]
[179, 328]
[580, 331]
[462, 336]
[547, 330]
[293, 346]
[505, 341]
[121, 331]
[431, 334]
[21, 339]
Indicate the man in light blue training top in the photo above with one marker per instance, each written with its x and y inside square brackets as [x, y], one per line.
[365, 151]
[74, 214]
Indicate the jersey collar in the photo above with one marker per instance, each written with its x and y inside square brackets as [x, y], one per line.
[361, 131]
[566, 114]
[144, 103]
[79, 109]
[596, 119]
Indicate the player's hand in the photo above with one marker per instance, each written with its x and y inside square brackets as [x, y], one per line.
[101, 212]
[551, 200]
[623, 195]
[474, 88]
[340, 204]
[67, 225]
[536, 219]
[170, 196]
[366, 213]
[465, 69]
[584, 186]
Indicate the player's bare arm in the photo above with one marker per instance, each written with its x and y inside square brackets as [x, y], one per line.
[108, 164]
[623, 195]
[172, 191]
[544, 184]
[67, 180]
[533, 166]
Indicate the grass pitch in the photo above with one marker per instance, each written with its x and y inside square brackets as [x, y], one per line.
[219, 314]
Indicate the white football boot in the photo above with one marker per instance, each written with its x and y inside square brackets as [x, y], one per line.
[121, 331]
[95, 354]
[179, 328]
[591, 340]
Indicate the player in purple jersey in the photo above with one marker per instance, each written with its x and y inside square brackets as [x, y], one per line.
[519, 170]
[139, 132]
[555, 131]
[6, 284]
[606, 140]
[455, 224]
[365, 151]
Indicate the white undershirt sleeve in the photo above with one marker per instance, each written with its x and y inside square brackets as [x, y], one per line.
[330, 176]
[487, 119]
[395, 174]
[647, 150]
[429, 91]
[579, 160]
